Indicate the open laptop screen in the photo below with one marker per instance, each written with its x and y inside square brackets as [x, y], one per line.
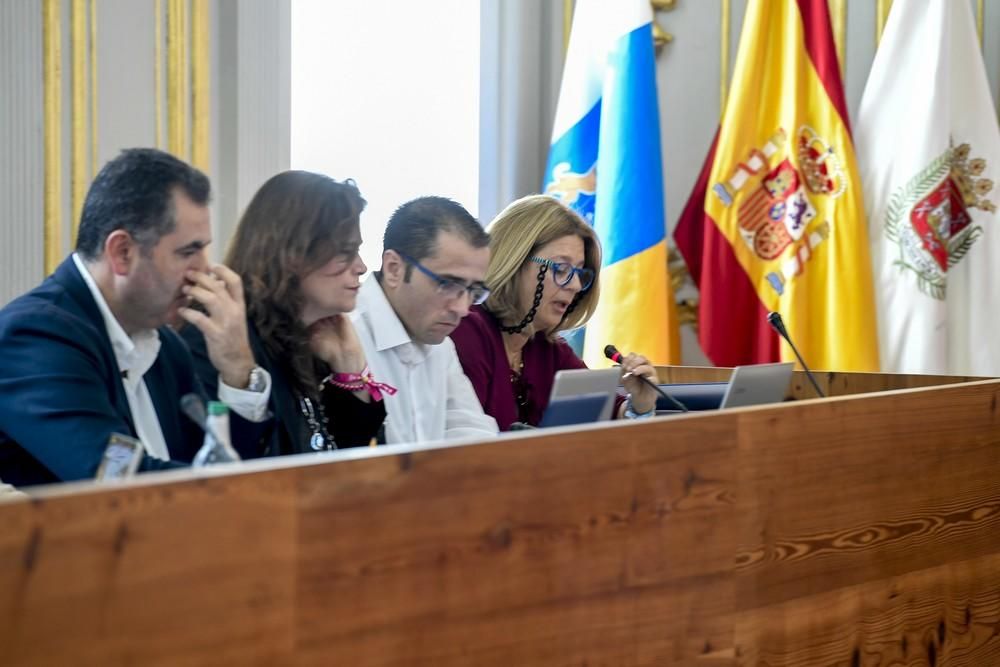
[757, 385]
[569, 410]
[587, 381]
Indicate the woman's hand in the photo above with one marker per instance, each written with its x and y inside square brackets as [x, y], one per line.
[334, 340]
[643, 396]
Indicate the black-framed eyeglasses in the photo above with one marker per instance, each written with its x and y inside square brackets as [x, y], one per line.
[562, 273]
[449, 288]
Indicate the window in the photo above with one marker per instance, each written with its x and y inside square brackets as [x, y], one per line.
[387, 93]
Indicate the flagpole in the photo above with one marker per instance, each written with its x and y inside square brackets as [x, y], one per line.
[567, 23]
[882, 8]
[724, 57]
[838, 11]
[979, 22]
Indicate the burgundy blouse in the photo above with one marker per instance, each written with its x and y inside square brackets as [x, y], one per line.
[505, 397]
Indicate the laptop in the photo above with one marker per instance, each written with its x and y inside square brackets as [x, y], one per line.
[602, 381]
[570, 410]
[748, 385]
[757, 385]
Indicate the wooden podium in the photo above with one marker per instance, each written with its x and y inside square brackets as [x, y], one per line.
[855, 530]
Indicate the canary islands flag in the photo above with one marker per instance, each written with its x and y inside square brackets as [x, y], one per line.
[776, 220]
[604, 162]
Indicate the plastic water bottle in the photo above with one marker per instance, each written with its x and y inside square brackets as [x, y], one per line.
[217, 447]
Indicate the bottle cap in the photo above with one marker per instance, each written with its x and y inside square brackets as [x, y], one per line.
[216, 408]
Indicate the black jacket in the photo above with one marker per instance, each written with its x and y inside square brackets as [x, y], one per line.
[351, 422]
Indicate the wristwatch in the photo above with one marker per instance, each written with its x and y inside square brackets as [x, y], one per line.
[257, 380]
[632, 414]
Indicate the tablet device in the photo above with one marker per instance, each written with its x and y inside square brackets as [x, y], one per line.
[757, 385]
[569, 410]
[586, 381]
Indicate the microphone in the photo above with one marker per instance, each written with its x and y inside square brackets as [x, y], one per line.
[774, 319]
[194, 408]
[612, 353]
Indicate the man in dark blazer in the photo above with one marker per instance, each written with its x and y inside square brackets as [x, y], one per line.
[87, 353]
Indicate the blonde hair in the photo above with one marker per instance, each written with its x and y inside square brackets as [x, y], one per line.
[515, 235]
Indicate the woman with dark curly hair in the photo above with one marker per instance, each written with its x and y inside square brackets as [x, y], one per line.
[296, 250]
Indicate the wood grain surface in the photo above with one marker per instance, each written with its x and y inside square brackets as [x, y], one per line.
[832, 383]
[860, 530]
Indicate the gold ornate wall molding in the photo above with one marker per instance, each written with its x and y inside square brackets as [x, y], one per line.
[181, 33]
[92, 59]
[83, 109]
[52, 83]
[188, 64]
[200, 85]
[80, 163]
[158, 70]
[725, 36]
[178, 99]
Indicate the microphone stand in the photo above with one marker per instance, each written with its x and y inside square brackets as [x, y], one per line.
[680, 406]
[612, 353]
[774, 319]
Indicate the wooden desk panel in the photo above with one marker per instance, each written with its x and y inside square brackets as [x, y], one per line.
[944, 615]
[843, 502]
[193, 572]
[518, 551]
[845, 532]
[833, 383]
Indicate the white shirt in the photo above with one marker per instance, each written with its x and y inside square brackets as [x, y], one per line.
[8, 492]
[435, 400]
[137, 354]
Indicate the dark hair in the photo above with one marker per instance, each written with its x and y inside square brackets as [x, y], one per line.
[295, 223]
[413, 228]
[134, 192]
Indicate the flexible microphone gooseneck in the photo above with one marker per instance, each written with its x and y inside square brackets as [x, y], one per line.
[612, 353]
[194, 408]
[774, 319]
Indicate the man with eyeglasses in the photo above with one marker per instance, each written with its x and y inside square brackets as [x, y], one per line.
[434, 260]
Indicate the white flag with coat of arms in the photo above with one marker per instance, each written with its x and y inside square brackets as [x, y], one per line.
[928, 146]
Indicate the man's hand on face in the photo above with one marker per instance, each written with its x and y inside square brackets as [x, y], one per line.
[224, 322]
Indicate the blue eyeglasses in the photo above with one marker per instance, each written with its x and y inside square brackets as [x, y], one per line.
[562, 273]
[448, 288]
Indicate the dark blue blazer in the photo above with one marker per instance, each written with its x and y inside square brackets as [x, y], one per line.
[61, 395]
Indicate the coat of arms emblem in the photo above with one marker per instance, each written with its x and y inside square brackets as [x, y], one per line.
[929, 218]
[777, 215]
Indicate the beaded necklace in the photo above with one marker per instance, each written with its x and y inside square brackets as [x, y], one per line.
[320, 439]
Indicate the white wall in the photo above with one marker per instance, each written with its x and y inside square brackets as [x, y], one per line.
[21, 147]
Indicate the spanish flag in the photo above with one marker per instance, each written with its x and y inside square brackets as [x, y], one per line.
[776, 220]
